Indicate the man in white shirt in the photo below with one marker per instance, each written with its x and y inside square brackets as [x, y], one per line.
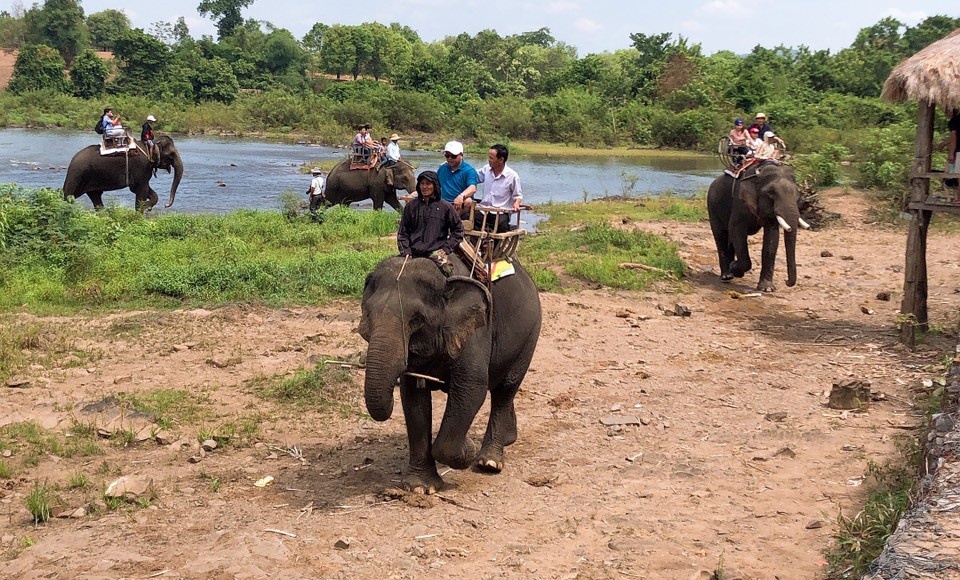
[393, 151]
[316, 189]
[501, 189]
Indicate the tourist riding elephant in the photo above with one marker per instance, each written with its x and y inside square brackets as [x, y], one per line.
[764, 197]
[456, 331]
[345, 186]
[91, 173]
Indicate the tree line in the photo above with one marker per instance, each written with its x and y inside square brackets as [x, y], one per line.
[661, 90]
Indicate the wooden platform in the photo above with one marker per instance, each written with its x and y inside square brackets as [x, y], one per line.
[936, 203]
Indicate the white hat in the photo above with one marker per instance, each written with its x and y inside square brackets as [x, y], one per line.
[151, 118]
[769, 135]
[454, 147]
[315, 170]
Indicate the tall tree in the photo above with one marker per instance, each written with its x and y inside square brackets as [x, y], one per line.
[60, 24]
[338, 55]
[13, 27]
[106, 28]
[930, 30]
[225, 12]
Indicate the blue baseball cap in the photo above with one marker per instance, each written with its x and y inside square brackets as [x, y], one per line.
[738, 121]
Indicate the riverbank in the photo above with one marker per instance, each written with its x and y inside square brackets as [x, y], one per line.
[649, 445]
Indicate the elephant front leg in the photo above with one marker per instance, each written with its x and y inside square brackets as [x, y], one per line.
[725, 253]
[768, 257]
[501, 429]
[422, 476]
[452, 446]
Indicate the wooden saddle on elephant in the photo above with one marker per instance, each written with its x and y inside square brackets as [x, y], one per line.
[363, 158]
[490, 253]
[118, 144]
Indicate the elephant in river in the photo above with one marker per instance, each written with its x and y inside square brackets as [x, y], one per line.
[458, 332]
[91, 173]
[345, 186]
[763, 197]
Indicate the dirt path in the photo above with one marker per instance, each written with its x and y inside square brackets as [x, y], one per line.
[735, 460]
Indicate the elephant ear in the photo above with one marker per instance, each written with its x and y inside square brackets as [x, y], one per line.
[468, 308]
[389, 177]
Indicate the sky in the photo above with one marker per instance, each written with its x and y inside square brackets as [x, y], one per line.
[592, 26]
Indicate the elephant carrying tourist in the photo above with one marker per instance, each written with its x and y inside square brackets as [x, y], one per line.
[346, 186]
[762, 197]
[456, 331]
[91, 173]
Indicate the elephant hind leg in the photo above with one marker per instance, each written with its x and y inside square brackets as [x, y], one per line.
[96, 197]
[501, 428]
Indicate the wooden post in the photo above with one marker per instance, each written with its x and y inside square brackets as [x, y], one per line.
[914, 306]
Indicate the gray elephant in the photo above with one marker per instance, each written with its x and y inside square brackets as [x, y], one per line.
[765, 198]
[91, 173]
[346, 186]
[472, 339]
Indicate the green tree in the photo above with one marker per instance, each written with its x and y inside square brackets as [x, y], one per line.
[338, 55]
[225, 12]
[13, 30]
[38, 67]
[362, 39]
[88, 74]
[282, 53]
[313, 39]
[930, 30]
[106, 28]
[143, 62]
[181, 33]
[391, 52]
[213, 80]
[60, 24]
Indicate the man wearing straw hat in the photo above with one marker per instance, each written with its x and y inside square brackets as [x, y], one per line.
[316, 189]
[393, 151]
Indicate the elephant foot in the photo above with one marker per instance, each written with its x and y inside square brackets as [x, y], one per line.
[737, 270]
[490, 459]
[422, 482]
[461, 458]
[766, 286]
[726, 277]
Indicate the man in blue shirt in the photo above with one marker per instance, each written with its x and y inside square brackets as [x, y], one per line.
[458, 179]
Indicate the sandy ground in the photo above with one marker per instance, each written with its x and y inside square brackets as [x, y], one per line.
[735, 463]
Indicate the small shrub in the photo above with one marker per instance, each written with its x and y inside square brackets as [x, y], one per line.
[6, 471]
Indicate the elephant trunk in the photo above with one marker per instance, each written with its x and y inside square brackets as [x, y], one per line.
[385, 363]
[790, 245]
[177, 174]
[788, 215]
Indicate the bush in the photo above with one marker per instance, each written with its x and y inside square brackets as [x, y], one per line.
[821, 168]
[887, 163]
[689, 129]
[38, 68]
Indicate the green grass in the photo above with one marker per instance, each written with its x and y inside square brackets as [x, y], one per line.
[6, 470]
[320, 387]
[32, 442]
[78, 480]
[860, 539]
[59, 257]
[170, 407]
[38, 502]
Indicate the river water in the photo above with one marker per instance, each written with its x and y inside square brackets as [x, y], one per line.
[254, 173]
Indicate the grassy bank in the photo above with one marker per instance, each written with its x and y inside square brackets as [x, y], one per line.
[58, 257]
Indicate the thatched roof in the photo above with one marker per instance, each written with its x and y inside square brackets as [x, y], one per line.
[931, 75]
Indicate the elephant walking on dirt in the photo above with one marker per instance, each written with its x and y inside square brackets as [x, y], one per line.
[764, 198]
[346, 186]
[91, 173]
[454, 330]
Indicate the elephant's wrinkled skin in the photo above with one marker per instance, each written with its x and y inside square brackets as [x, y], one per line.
[346, 186]
[91, 173]
[428, 324]
[754, 204]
